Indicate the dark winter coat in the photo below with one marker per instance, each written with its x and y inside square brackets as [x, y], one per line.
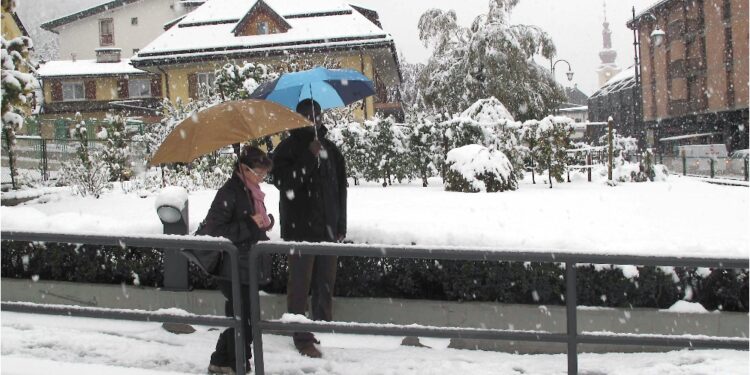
[230, 217]
[312, 190]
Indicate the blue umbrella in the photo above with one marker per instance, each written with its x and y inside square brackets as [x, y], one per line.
[331, 88]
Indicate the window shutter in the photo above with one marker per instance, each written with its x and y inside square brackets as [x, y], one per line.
[57, 91]
[156, 87]
[122, 89]
[90, 88]
[193, 86]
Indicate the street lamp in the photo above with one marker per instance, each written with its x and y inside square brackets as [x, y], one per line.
[657, 38]
[569, 73]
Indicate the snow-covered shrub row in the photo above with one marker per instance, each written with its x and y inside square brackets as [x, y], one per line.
[504, 282]
[382, 149]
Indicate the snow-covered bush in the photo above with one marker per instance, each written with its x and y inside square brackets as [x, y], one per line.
[234, 82]
[475, 168]
[488, 123]
[353, 142]
[424, 142]
[389, 151]
[552, 140]
[87, 172]
[116, 151]
[18, 87]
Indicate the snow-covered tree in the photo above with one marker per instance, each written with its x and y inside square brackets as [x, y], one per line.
[235, 82]
[475, 168]
[87, 172]
[490, 58]
[424, 143]
[116, 149]
[554, 140]
[389, 150]
[18, 87]
[353, 141]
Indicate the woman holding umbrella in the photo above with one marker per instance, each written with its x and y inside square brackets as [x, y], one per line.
[239, 214]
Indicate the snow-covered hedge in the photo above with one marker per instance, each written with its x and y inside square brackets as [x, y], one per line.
[475, 168]
[502, 282]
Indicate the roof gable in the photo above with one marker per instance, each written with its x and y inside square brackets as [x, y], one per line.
[261, 12]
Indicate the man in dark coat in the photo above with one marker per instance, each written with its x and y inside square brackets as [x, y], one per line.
[309, 172]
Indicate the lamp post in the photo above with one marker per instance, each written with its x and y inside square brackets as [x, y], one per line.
[569, 73]
[172, 208]
[657, 38]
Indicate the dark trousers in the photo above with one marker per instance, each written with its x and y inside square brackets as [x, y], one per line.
[316, 274]
[224, 353]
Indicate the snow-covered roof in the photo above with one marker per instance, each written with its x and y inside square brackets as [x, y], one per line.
[209, 29]
[71, 68]
[623, 80]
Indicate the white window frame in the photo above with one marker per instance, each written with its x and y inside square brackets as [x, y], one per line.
[101, 35]
[205, 82]
[136, 93]
[74, 98]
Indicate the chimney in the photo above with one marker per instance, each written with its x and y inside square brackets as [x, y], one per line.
[108, 55]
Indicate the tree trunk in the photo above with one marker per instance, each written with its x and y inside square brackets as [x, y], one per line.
[533, 179]
[10, 138]
[549, 171]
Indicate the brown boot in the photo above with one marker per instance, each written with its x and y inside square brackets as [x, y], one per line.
[309, 350]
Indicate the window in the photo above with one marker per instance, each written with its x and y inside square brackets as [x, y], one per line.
[106, 32]
[135, 50]
[205, 84]
[139, 88]
[134, 21]
[73, 91]
[262, 28]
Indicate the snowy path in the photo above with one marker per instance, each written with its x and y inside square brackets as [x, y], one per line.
[40, 344]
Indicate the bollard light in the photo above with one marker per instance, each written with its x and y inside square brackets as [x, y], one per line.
[172, 208]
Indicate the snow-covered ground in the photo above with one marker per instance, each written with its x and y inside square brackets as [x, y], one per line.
[683, 216]
[40, 344]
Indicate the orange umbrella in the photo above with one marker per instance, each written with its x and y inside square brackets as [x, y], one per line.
[225, 124]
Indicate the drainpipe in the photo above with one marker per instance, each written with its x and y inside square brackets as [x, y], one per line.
[362, 68]
[166, 82]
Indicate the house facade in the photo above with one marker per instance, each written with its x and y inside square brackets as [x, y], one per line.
[694, 85]
[93, 88]
[125, 24]
[273, 32]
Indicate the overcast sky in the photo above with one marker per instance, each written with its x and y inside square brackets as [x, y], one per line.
[575, 26]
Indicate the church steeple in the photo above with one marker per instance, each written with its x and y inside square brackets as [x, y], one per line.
[608, 68]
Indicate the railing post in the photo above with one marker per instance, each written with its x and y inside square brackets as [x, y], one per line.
[173, 213]
[746, 168]
[713, 167]
[572, 318]
[684, 165]
[255, 312]
[239, 329]
[589, 162]
[45, 166]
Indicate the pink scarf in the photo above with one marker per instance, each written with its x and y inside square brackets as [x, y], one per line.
[258, 196]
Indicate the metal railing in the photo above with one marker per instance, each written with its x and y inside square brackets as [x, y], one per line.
[571, 337]
[717, 167]
[167, 242]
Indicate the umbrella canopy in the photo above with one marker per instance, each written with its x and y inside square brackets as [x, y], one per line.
[225, 124]
[331, 88]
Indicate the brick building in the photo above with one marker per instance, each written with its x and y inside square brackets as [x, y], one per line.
[694, 85]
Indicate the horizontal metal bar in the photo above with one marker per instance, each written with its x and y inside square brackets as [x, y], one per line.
[100, 313]
[153, 241]
[421, 252]
[676, 341]
[398, 330]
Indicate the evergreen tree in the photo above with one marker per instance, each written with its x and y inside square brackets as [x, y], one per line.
[17, 89]
[235, 82]
[116, 149]
[422, 141]
[554, 141]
